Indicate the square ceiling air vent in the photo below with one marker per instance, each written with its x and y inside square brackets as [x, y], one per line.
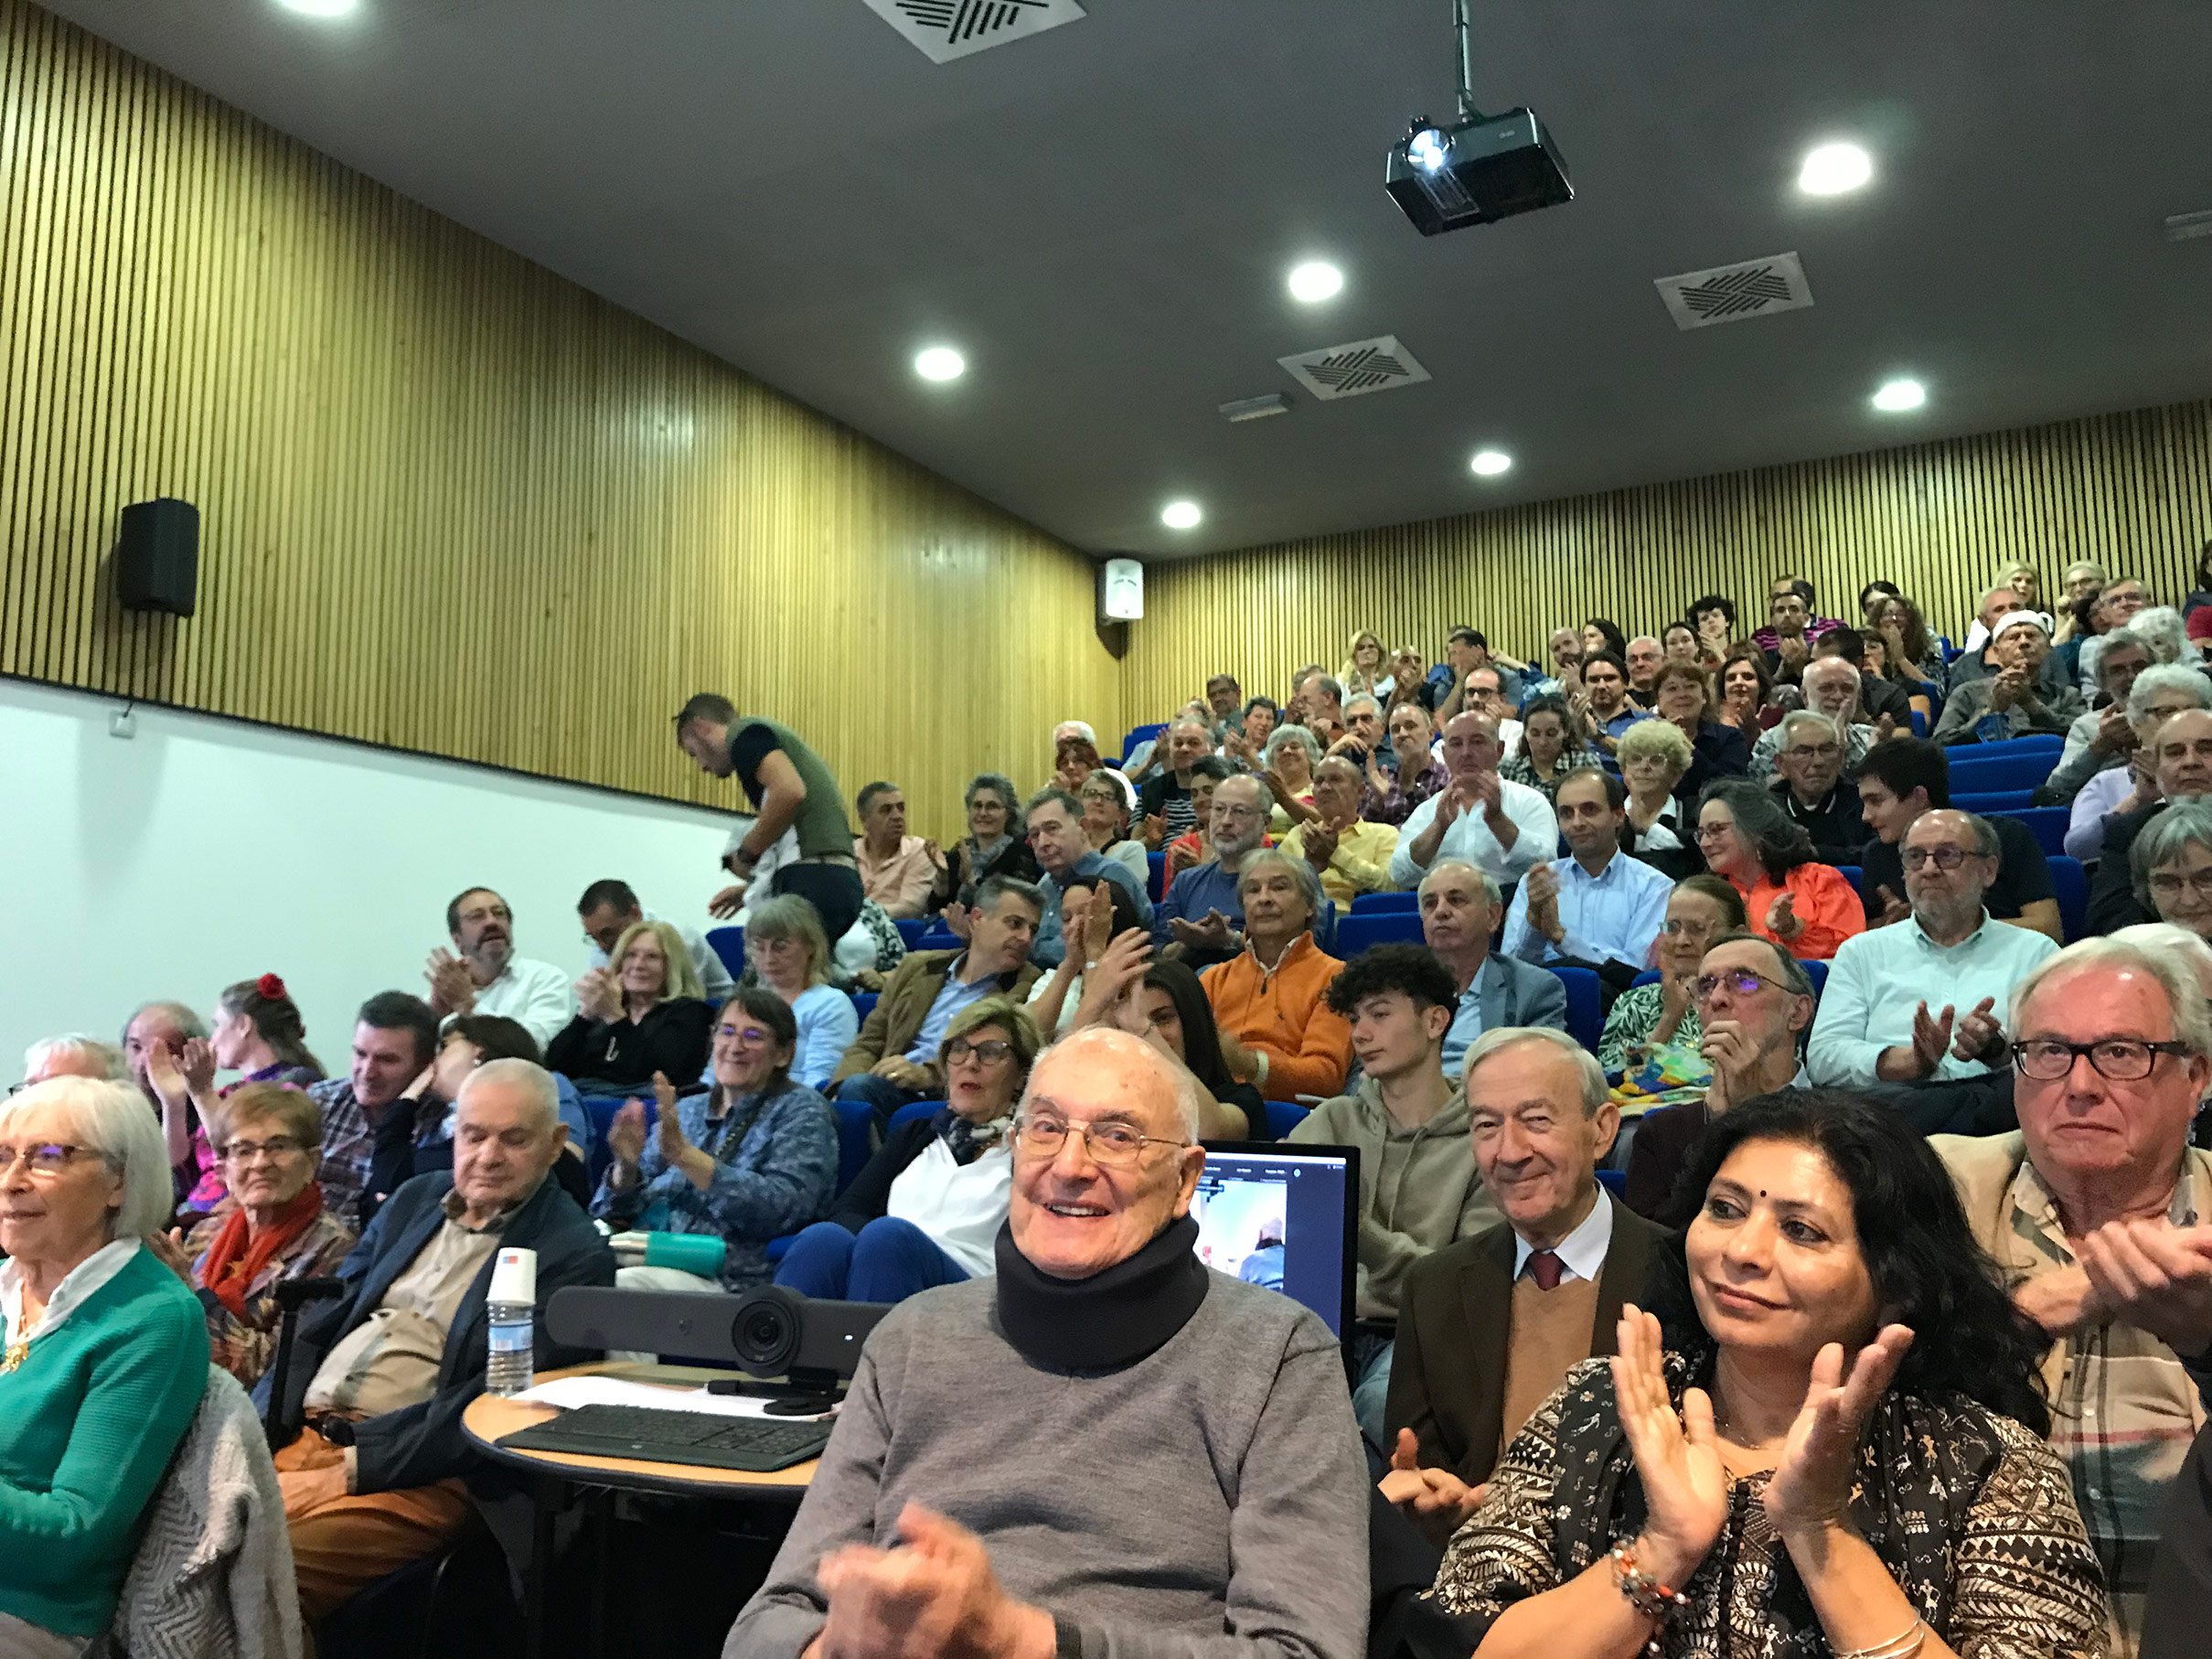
[945, 29]
[1348, 372]
[1729, 293]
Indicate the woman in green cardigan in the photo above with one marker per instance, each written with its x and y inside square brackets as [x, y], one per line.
[103, 1355]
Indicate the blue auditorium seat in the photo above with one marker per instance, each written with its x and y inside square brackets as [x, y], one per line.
[2073, 889]
[911, 932]
[1283, 1115]
[1359, 929]
[1155, 882]
[1584, 1020]
[863, 1003]
[729, 942]
[1987, 802]
[1366, 904]
[916, 1109]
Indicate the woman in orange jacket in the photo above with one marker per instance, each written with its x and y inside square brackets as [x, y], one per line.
[1747, 839]
[1274, 998]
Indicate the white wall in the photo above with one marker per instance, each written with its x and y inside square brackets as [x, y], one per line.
[202, 852]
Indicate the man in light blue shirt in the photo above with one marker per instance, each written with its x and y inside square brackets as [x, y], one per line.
[1599, 908]
[1923, 1000]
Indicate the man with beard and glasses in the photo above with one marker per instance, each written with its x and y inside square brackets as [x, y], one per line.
[482, 974]
[1923, 1002]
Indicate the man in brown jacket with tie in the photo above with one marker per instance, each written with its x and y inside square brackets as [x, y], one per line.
[1487, 1326]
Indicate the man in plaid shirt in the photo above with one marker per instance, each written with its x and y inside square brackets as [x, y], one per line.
[395, 1037]
[2095, 1210]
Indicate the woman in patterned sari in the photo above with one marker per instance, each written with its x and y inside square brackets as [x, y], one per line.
[1827, 1443]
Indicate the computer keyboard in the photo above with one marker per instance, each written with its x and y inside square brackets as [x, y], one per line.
[755, 1445]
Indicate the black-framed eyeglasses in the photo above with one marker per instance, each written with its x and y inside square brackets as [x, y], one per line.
[276, 1147]
[1946, 857]
[2115, 1059]
[1741, 981]
[989, 1052]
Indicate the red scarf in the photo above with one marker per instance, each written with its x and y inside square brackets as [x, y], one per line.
[233, 1263]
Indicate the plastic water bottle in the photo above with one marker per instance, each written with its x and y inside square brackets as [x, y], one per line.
[509, 1309]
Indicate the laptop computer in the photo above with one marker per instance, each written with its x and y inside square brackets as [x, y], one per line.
[1286, 1217]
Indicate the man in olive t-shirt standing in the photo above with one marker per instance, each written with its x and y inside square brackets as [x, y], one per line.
[790, 789]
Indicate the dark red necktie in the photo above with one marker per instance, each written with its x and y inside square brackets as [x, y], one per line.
[1545, 1266]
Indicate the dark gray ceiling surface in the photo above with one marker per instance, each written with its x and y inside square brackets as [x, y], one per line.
[1101, 217]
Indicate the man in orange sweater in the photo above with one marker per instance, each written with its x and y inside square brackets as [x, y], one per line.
[1273, 998]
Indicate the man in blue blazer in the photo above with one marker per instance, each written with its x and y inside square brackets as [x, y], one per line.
[1461, 910]
[379, 1473]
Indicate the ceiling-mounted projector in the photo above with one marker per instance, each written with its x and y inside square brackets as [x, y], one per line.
[1479, 168]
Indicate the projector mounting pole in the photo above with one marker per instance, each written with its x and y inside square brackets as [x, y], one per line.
[1467, 62]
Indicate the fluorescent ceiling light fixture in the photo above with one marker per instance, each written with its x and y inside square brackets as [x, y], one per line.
[1490, 463]
[1835, 169]
[1895, 397]
[320, 8]
[1315, 280]
[940, 363]
[1181, 515]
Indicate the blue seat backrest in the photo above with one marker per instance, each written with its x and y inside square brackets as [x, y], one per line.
[1155, 882]
[1973, 773]
[2048, 823]
[1283, 1115]
[1851, 873]
[911, 932]
[856, 1132]
[1993, 800]
[1359, 929]
[1139, 734]
[1920, 723]
[863, 1003]
[1585, 1021]
[1818, 973]
[916, 1109]
[1615, 1181]
[2073, 890]
[938, 937]
[1366, 903]
[729, 942]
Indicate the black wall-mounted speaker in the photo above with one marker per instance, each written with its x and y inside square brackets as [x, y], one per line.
[157, 558]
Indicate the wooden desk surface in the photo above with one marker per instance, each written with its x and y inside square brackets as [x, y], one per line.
[489, 1416]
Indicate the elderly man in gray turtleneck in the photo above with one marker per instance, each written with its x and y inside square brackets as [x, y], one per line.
[1107, 1451]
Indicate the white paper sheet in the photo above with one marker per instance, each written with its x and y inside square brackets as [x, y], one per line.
[569, 1392]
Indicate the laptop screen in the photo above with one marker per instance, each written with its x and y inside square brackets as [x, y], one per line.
[1283, 1216]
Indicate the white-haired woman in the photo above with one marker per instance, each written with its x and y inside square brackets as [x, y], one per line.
[103, 1355]
[74, 1055]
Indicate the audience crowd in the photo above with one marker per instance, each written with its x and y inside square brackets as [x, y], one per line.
[1774, 1046]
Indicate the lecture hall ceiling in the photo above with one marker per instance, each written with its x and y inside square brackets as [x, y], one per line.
[1101, 218]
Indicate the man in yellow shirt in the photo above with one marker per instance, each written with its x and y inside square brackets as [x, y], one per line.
[1350, 855]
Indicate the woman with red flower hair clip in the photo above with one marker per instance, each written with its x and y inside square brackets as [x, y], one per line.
[259, 1033]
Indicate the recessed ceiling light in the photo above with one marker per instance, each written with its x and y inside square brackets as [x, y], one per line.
[319, 8]
[1315, 280]
[940, 363]
[1832, 169]
[1181, 515]
[1490, 463]
[1895, 397]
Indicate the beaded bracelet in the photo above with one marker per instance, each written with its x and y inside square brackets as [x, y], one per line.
[1896, 1647]
[1646, 1594]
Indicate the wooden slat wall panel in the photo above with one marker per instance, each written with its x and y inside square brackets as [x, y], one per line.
[2133, 491]
[450, 502]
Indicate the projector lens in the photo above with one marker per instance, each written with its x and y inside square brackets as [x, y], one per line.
[1425, 149]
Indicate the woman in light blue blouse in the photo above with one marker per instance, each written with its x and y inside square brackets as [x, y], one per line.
[789, 954]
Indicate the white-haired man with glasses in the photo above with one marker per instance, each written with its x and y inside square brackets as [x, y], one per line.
[2096, 1209]
[1921, 1001]
[1106, 1448]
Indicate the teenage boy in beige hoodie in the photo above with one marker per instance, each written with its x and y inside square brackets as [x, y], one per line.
[1418, 1187]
